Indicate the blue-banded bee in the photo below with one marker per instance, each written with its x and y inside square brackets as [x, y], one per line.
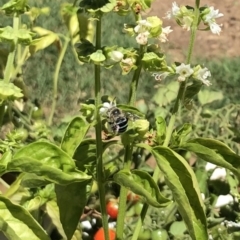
[117, 120]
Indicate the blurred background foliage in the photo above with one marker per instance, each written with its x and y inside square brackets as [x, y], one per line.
[215, 111]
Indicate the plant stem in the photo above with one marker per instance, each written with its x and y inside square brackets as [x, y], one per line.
[55, 80]
[129, 147]
[180, 97]
[135, 79]
[10, 62]
[123, 193]
[98, 130]
[11, 55]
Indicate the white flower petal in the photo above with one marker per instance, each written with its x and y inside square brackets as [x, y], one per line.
[223, 200]
[219, 173]
[209, 166]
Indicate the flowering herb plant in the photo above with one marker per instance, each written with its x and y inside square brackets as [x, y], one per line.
[64, 174]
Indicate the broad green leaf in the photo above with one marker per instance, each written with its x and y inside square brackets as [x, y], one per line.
[166, 94]
[16, 193]
[76, 194]
[31, 180]
[48, 161]
[74, 135]
[161, 130]
[52, 173]
[5, 159]
[191, 91]
[85, 153]
[142, 184]
[215, 152]
[182, 181]
[207, 96]
[53, 212]
[18, 224]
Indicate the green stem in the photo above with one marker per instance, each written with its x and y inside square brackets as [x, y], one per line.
[98, 130]
[135, 79]
[123, 193]
[129, 147]
[180, 97]
[11, 55]
[10, 62]
[2, 110]
[55, 80]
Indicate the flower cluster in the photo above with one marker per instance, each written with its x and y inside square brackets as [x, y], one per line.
[184, 71]
[149, 28]
[209, 15]
[185, 17]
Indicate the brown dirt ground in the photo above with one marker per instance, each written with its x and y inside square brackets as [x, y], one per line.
[226, 45]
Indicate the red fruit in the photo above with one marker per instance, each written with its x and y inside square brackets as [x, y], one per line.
[112, 209]
[99, 235]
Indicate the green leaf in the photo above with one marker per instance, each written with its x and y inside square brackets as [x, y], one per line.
[182, 181]
[5, 159]
[43, 42]
[181, 134]
[18, 224]
[76, 194]
[74, 135]
[166, 94]
[53, 212]
[48, 161]
[207, 96]
[130, 109]
[216, 152]
[191, 91]
[85, 154]
[31, 180]
[142, 184]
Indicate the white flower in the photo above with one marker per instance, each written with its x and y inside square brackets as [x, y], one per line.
[128, 61]
[164, 34]
[174, 12]
[116, 56]
[215, 28]
[223, 200]
[203, 196]
[212, 15]
[142, 38]
[184, 71]
[219, 173]
[202, 75]
[143, 26]
[105, 107]
[175, 9]
[209, 166]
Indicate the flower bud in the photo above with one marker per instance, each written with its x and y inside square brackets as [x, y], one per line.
[116, 56]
